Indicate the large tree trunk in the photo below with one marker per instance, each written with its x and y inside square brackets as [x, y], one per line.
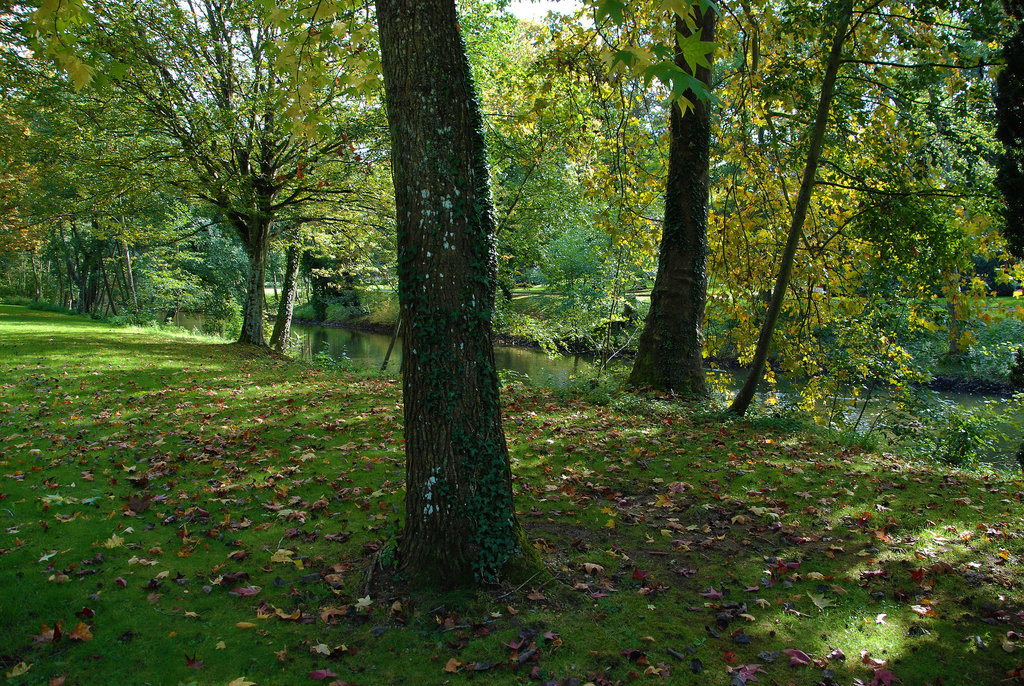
[1009, 100]
[255, 234]
[742, 400]
[460, 525]
[286, 302]
[670, 350]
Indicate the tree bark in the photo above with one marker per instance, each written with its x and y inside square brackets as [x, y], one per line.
[670, 349]
[131, 277]
[286, 301]
[255, 235]
[460, 525]
[742, 400]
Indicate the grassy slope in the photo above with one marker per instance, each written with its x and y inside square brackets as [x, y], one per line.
[149, 484]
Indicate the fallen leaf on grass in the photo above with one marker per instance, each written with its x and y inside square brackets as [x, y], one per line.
[47, 634]
[321, 674]
[452, 666]
[535, 595]
[18, 670]
[81, 632]
[241, 681]
[797, 658]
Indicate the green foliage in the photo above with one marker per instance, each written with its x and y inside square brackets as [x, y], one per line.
[1017, 369]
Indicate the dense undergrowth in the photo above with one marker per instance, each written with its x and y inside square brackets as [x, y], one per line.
[177, 511]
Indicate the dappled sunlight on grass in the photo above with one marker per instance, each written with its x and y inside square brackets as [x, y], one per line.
[191, 497]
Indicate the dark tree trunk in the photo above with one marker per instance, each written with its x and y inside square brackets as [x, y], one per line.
[460, 525]
[255, 235]
[1009, 101]
[286, 301]
[670, 350]
[742, 400]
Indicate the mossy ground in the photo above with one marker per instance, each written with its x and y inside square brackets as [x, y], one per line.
[210, 514]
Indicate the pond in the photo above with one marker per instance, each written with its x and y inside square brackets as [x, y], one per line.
[367, 350]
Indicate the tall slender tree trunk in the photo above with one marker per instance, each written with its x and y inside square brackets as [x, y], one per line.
[37, 282]
[742, 400]
[130, 277]
[286, 301]
[670, 350]
[255, 234]
[460, 524]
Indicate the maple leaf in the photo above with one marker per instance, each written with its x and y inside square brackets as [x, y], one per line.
[452, 666]
[48, 635]
[81, 632]
[245, 591]
[797, 658]
[883, 677]
[18, 670]
[592, 568]
[711, 593]
[241, 681]
[535, 595]
[321, 674]
[820, 601]
[192, 662]
[640, 574]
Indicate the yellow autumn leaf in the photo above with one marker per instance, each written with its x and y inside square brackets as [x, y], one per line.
[241, 681]
[18, 670]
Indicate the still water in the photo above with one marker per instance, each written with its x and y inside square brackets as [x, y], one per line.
[365, 349]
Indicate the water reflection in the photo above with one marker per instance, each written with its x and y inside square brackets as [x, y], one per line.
[365, 349]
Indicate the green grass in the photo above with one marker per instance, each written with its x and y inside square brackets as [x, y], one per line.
[145, 479]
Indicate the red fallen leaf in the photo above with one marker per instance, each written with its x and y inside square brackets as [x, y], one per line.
[121, 582]
[797, 658]
[751, 589]
[729, 656]
[873, 573]
[58, 680]
[635, 655]
[884, 677]
[639, 574]
[48, 635]
[85, 613]
[321, 674]
[245, 591]
[711, 593]
[192, 662]
[917, 574]
[837, 654]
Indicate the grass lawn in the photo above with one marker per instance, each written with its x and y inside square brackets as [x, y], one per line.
[183, 512]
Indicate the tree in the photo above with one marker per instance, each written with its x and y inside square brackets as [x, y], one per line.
[842, 12]
[228, 122]
[670, 351]
[1010, 130]
[460, 524]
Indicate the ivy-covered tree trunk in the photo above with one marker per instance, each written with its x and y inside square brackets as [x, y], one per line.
[286, 303]
[670, 351]
[255, 235]
[1010, 131]
[460, 525]
[842, 12]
